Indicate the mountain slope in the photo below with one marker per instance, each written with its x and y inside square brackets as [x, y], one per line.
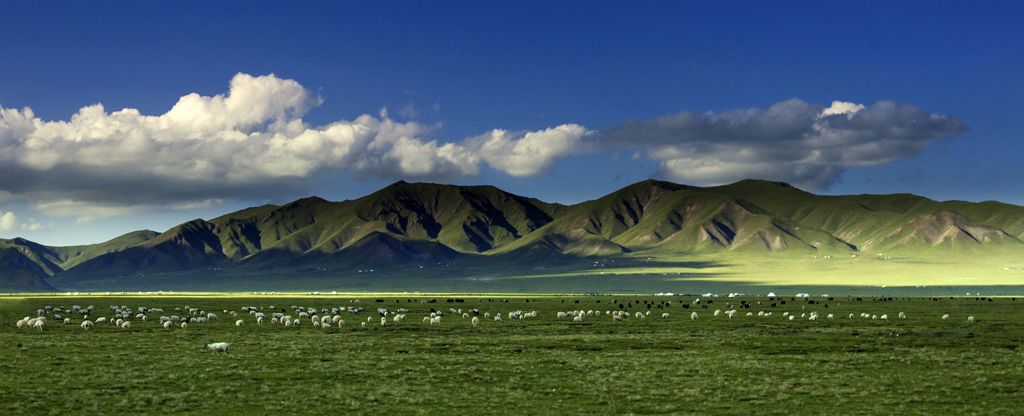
[415, 224]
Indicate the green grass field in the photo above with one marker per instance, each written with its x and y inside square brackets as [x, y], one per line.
[547, 365]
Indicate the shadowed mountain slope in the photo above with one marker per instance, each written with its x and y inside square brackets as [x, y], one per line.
[423, 224]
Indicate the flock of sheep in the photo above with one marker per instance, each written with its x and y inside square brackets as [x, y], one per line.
[323, 318]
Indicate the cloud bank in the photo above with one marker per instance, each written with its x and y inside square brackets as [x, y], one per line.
[793, 141]
[247, 143]
[252, 143]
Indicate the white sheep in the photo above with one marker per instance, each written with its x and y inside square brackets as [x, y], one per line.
[126, 324]
[184, 325]
[693, 316]
[946, 316]
[578, 319]
[902, 315]
[239, 323]
[475, 321]
[217, 347]
[86, 325]
[970, 319]
[167, 324]
[664, 315]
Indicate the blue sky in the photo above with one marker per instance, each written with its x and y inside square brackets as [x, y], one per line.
[210, 107]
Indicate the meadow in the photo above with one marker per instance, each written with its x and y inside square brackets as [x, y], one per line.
[922, 364]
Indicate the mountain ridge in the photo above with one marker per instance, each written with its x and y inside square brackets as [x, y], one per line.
[411, 223]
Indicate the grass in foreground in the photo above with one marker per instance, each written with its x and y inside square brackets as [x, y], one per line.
[922, 364]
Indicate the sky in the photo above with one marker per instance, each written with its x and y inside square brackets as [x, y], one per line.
[123, 116]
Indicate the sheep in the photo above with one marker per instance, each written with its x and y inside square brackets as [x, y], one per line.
[39, 324]
[498, 319]
[325, 326]
[475, 321]
[946, 316]
[792, 317]
[126, 324]
[184, 325]
[86, 325]
[22, 323]
[562, 315]
[693, 316]
[167, 324]
[664, 315]
[383, 322]
[970, 319]
[830, 316]
[217, 347]
[902, 315]
[578, 319]
[884, 317]
[101, 320]
[239, 323]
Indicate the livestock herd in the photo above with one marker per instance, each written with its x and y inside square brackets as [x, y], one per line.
[122, 316]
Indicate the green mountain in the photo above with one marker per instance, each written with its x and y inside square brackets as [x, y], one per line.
[481, 228]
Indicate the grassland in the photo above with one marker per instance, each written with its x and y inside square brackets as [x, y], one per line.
[715, 365]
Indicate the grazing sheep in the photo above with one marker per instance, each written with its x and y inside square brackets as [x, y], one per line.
[902, 315]
[239, 323]
[718, 312]
[562, 315]
[475, 321]
[217, 347]
[39, 324]
[946, 316]
[884, 317]
[578, 319]
[970, 319]
[184, 325]
[86, 325]
[830, 316]
[693, 316]
[498, 319]
[126, 324]
[617, 318]
[664, 315]
[792, 317]
[167, 324]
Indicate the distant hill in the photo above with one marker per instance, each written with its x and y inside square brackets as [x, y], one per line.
[482, 227]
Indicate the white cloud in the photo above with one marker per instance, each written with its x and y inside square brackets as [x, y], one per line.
[248, 142]
[9, 222]
[530, 153]
[806, 144]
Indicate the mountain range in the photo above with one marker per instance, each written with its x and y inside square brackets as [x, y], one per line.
[415, 224]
